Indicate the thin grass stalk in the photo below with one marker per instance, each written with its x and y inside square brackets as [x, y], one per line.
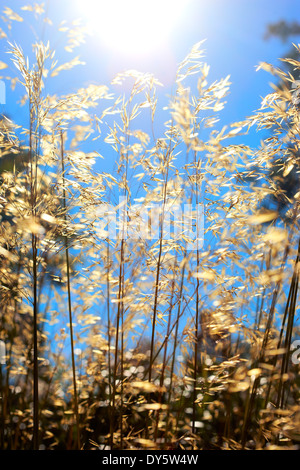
[33, 187]
[51, 378]
[164, 364]
[7, 395]
[122, 363]
[174, 350]
[2, 420]
[112, 424]
[35, 350]
[274, 362]
[69, 297]
[6, 390]
[259, 310]
[181, 412]
[251, 398]
[174, 326]
[120, 312]
[228, 407]
[158, 268]
[287, 347]
[197, 308]
[251, 395]
[109, 336]
[288, 336]
[289, 329]
[196, 352]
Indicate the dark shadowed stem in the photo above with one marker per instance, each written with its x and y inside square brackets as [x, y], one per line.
[2, 409]
[196, 351]
[228, 407]
[196, 346]
[274, 362]
[259, 310]
[35, 350]
[109, 336]
[5, 395]
[119, 314]
[122, 362]
[69, 298]
[252, 395]
[174, 326]
[292, 303]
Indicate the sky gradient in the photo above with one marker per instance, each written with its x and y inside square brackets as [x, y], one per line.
[234, 43]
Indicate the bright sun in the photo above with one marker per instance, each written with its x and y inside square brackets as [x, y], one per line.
[133, 27]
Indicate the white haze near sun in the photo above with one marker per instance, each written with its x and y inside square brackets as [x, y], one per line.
[132, 27]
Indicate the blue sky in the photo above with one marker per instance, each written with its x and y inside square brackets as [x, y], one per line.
[233, 31]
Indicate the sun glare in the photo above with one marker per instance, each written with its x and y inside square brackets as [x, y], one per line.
[133, 27]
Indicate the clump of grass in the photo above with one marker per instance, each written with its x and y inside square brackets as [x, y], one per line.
[153, 332]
